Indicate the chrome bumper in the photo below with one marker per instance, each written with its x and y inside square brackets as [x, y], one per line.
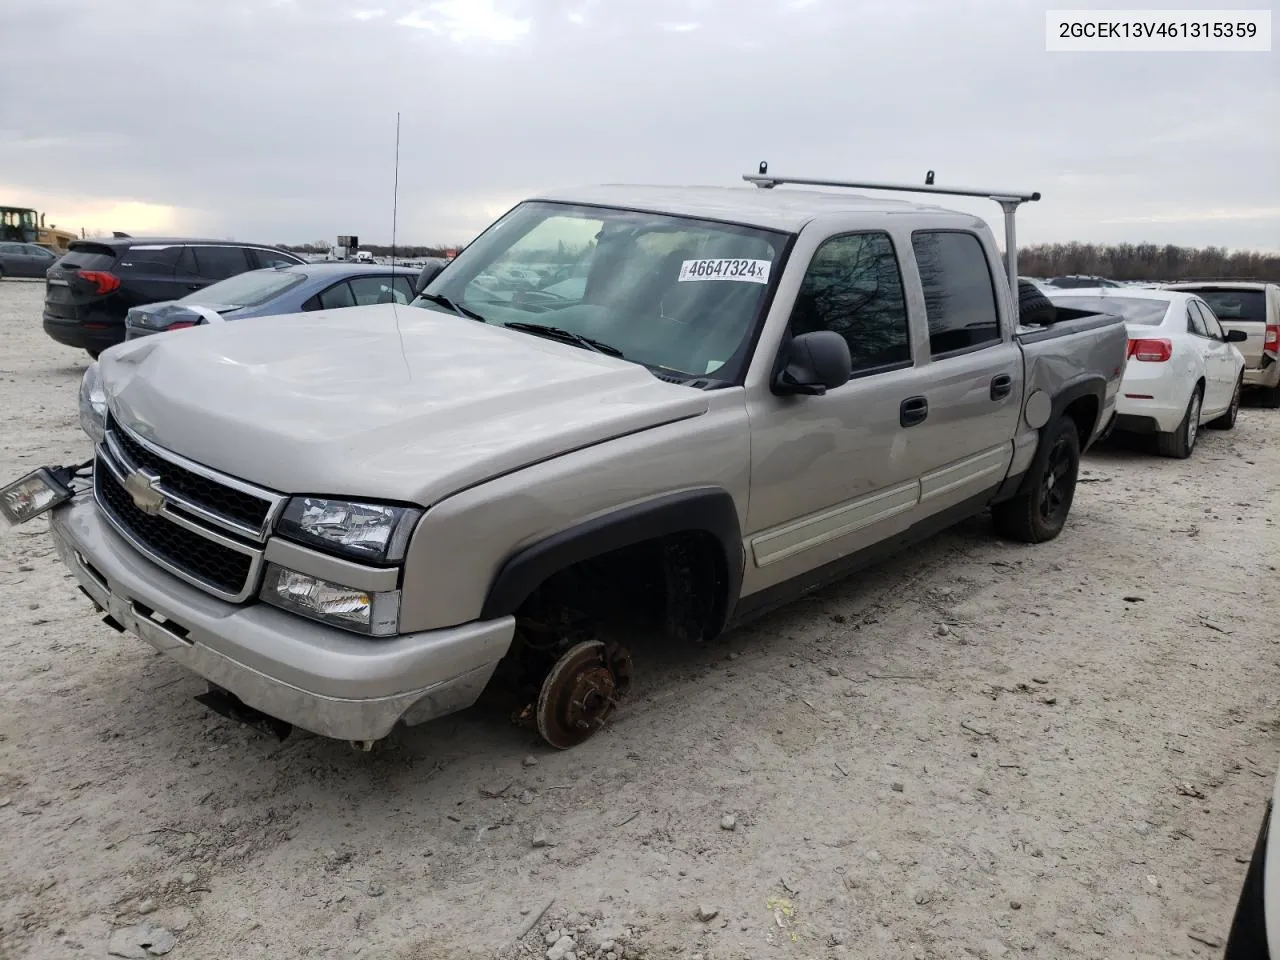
[319, 678]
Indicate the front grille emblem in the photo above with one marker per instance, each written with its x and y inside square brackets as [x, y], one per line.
[141, 486]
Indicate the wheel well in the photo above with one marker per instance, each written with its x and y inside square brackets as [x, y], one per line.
[677, 583]
[1084, 412]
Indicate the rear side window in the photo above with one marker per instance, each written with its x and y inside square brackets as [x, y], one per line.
[853, 288]
[151, 259]
[1211, 325]
[959, 294]
[90, 256]
[1195, 323]
[218, 263]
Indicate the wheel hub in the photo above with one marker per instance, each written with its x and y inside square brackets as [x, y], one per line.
[581, 692]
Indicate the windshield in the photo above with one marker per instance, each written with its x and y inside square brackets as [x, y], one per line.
[1133, 310]
[1249, 306]
[667, 292]
[247, 289]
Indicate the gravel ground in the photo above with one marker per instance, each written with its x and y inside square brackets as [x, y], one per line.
[979, 749]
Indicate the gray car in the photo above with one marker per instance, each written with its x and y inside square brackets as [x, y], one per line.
[25, 260]
[278, 290]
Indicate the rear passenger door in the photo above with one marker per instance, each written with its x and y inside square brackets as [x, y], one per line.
[973, 390]
[1219, 368]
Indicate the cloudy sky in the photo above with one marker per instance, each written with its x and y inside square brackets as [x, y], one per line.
[274, 120]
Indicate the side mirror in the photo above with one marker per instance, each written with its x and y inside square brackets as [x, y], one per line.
[815, 363]
[429, 273]
[1237, 336]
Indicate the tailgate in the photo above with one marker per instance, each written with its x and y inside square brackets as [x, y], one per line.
[63, 292]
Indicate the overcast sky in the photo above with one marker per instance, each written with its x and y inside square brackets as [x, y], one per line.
[274, 120]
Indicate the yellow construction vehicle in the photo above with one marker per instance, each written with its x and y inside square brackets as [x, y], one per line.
[24, 225]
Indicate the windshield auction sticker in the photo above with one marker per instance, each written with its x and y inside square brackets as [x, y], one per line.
[746, 271]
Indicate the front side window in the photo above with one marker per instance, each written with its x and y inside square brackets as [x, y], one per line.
[853, 287]
[678, 295]
[959, 293]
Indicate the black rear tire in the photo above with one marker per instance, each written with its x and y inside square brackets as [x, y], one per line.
[1034, 308]
[1182, 441]
[1269, 397]
[92, 353]
[1040, 512]
[1228, 420]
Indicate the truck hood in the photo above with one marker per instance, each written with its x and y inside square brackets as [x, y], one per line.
[382, 402]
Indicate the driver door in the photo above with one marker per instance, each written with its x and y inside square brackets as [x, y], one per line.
[834, 474]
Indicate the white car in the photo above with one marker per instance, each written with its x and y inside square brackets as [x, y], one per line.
[1183, 369]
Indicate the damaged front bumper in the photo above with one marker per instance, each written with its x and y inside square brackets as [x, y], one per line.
[315, 677]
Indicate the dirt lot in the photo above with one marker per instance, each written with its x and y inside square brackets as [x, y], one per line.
[980, 749]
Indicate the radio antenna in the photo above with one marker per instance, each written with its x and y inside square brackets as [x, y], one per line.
[395, 194]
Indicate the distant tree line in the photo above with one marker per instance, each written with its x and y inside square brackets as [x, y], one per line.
[1146, 261]
[1122, 261]
[377, 249]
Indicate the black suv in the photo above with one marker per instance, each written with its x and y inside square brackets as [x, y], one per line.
[91, 288]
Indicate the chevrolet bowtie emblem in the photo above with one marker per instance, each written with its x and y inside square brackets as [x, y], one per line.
[142, 487]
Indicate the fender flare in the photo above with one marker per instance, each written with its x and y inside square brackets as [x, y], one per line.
[708, 510]
[1085, 385]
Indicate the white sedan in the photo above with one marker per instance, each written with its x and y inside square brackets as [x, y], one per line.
[1183, 368]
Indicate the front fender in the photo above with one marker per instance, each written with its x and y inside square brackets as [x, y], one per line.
[706, 510]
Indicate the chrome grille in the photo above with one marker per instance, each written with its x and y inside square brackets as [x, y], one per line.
[234, 504]
[205, 527]
[209, 563]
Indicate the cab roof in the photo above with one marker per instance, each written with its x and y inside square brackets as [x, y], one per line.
[782, 208]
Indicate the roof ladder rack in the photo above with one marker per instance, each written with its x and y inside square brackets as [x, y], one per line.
[1009, 201]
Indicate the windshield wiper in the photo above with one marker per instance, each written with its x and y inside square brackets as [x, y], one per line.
[566, 336]
[445, 302]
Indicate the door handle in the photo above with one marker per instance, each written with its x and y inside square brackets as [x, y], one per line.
[1001, 386]
[913, 410]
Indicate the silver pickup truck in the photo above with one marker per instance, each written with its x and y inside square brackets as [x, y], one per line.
[620, 410]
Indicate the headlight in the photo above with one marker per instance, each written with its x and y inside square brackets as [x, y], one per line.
[376, 614]
[362, 531]
[93, 403]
